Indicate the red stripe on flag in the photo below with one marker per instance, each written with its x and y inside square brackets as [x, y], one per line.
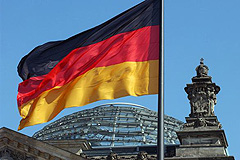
[135, 46]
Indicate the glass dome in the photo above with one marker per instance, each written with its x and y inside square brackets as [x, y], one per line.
[115, 124]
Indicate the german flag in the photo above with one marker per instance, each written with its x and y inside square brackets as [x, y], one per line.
[115, 59]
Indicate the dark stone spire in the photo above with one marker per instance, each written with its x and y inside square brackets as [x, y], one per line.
[202, 73]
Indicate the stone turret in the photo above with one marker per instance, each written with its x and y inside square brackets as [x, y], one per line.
[202, 136]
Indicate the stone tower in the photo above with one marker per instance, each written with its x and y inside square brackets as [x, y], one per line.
[202, 136]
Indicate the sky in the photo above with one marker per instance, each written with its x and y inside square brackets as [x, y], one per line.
[193, 29]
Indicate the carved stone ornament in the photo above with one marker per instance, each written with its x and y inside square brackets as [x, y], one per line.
[112, 156]
[202, 70]
[202, 99]
[202, 122]
[5, 155]
[142, 156]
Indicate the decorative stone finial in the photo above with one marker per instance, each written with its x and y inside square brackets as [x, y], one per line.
[202, 70]
[202, 93]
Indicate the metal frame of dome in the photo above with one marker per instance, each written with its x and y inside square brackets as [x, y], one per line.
[112, 124]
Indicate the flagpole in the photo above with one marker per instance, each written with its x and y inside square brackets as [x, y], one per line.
[160, 141]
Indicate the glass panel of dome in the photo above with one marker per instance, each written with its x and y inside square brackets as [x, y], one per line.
[105, 143]
[118, 143]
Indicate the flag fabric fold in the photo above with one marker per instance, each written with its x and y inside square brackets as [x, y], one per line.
[115, 59]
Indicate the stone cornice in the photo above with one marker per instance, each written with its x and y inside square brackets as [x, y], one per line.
[13, 141]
